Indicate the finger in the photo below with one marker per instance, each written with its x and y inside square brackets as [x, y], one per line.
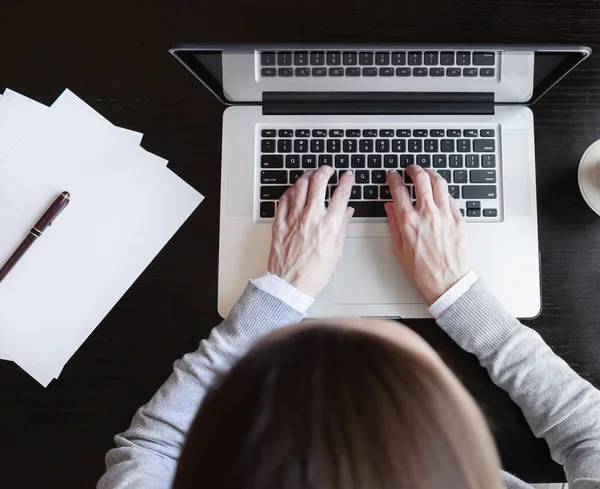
[439, 186]
[284, 206]
[318, 187]
[339, 200]
[455, 211]
[348, 213]
[399, 191]
[395, 233]
[301, 193]
[422, 181]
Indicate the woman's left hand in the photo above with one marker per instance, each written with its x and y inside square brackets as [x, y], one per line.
[308, 238]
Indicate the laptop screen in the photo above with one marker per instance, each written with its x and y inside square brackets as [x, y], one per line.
[512, 74]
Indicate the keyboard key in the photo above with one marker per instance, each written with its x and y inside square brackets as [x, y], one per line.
[448, 145]
[447, 58]
[319, 72]
[350, 58]
[300, 145]
[440, 161]
[350, 145]
[456, 161]
[472, 161]
[336, 71]
[285, 72]
[352, 133]
[398, 59]
[420, 133]
[267, 209]
[415, 145]
[274, 176]
[483, 176]
[436, 71]
[285, 133]
[454, 133]
[431, 58]
[473, 204]
[301, 58]
[317, 58]
[407, 160]
[333, 180]
[403, 72]
[406, 178]
[292, 161]
[386, 133]
[284, 58]
[361, 176]
[382, 145]
[325, 160]
[368, 209]
[478, 192]
[268, 133]
[484, 59]
[302, 133]
[473, 212]
[342, 161]
[352, 71]
[319, 133]
[317, 145]
[437, 133]
[336, 133]
[403, 133]
[446, 175]
[358, 161]
[463, 59]
[369, 71]
[470, 72]
[488, 161]
[453, 72]
[370, 192]
[334, 145]
[384, 193]
[484, 145]
[390, 161]
[365, 145]
[267, 58]
[309, 161]
[374, 161]
[271, 161]
[369, 133]
[356, 193]
[488, 133]
[415, 59]
[487, 72]
[462, 211]
[382, 59]
[460, 176]
[490, 212]
[284, 146]
[268, 72]
[267, 146]
[365, 58]
[424, 161]
[386, 71]
[272, 192]
[378, 176]
[454, 191]
[471, 133]
[399, 145]
[431, 145]
[419, 72]
[463, 146]
[334, 58]
[302, 71]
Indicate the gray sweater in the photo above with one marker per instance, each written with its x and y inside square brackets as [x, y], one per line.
[559, 405]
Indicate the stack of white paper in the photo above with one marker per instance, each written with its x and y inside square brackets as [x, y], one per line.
[125, 206]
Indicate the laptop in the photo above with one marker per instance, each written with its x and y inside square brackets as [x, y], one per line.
[462, 110]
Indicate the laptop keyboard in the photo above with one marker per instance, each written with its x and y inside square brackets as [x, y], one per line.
[333, 64]
[467, 158]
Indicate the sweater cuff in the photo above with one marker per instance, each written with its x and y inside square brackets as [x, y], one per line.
[277, 287]
[477, 321]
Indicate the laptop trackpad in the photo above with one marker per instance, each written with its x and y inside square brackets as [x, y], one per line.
[368, 273]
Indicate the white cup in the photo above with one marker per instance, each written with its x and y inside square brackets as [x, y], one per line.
[589, 176]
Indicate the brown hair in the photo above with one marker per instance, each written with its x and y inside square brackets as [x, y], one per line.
[326, 407]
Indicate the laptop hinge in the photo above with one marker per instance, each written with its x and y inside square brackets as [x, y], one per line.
[355, 103]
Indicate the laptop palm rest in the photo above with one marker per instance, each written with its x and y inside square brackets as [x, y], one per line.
[368, 273]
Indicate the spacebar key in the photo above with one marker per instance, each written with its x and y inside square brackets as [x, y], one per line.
[367, 209]
[475, 192]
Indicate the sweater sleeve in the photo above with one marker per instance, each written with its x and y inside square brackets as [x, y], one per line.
[146, 454]
[557, 403]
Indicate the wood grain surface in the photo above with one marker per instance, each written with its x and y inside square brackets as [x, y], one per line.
[114, 55]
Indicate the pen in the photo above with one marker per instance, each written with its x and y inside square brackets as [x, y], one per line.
[36, 231]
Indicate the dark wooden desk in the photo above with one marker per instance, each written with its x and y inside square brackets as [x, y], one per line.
[114, 55]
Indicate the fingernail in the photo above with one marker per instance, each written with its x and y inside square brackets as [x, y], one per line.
[349, 172]
[351, 211]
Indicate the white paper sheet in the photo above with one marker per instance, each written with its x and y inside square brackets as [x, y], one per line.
[67, 282]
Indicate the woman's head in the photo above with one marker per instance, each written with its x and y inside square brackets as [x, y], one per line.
[342, 404]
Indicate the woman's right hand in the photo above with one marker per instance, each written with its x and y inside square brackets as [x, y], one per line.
[429, 240]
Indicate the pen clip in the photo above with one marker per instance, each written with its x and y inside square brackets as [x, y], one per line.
[66, 200]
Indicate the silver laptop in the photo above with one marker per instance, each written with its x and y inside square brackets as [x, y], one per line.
[461, 110]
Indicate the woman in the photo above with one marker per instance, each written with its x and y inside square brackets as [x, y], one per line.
[354, 403]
